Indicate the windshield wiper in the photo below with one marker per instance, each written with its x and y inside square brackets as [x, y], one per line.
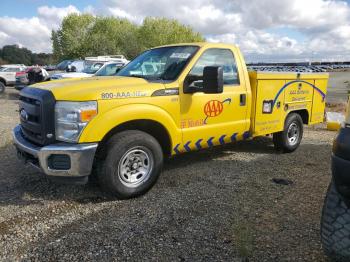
[138, 76]
[147, 77]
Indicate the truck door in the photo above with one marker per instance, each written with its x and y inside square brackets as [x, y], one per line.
[212, 119]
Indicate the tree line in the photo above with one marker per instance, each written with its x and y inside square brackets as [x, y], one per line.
[87, 35]
[13, 54]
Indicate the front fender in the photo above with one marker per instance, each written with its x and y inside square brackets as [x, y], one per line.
[98, 128]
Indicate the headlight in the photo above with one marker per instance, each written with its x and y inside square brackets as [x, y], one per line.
[72, 117]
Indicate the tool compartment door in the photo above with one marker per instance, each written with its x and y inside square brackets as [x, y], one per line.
[266, 95]
[299, 92]
[318, 105]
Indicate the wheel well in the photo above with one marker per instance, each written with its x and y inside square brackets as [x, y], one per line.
[155, 129]
[3, 81]
[304, 115]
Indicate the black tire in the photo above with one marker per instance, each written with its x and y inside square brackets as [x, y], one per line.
[283, 140]
[2, 87]
[335, 226]
[136, 144]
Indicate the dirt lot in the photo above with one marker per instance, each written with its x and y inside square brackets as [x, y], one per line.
[219, 204]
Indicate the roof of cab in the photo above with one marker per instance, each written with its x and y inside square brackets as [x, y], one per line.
[201, 44]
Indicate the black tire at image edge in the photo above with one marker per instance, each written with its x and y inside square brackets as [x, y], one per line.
[335, 226]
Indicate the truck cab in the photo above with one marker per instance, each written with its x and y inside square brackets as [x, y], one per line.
[167, 101]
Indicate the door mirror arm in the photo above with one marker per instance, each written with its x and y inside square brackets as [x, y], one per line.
[190, 87]
[212, 81]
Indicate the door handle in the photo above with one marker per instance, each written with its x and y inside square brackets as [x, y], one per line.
[242, 99]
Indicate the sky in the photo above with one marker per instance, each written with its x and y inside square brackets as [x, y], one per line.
[265, 30]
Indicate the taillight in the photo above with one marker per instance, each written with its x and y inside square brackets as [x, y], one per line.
[20, 73]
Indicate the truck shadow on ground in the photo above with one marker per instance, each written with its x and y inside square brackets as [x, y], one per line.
[189, 213]
[21, 185]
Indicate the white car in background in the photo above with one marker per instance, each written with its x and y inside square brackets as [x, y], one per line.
[8, 75]
[3, 67]
[109, 69]
[94, 69]
[108, 58]
[91, 65]
[78, 68]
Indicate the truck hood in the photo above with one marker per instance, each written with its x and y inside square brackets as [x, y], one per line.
[97, 88]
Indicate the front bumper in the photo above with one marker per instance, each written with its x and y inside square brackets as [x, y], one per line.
[81, 156]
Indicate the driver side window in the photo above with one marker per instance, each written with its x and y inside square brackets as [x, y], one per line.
[215, 57]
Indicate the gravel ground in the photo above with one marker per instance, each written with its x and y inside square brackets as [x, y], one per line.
[219, 204]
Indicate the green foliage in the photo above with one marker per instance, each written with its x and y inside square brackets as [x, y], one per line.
[85, 35]
[13, 54]
[162, 31]
[70, 41]
[2, 61]
[111, 36]
[42, 59]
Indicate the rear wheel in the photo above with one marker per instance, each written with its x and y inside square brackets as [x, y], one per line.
[289, 139]
[132, 165]
[335, 226]
[2, 87]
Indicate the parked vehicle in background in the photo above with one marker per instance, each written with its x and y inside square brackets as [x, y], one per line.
[50, 67]
[8, 75]
[335, 219]
[96, 69]
[31, 76]
[109, 69]
[2, 67]
[167, 101]
[62, 66]
[108, 58]
[79, 69]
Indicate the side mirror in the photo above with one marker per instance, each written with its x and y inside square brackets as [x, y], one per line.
[213, 80]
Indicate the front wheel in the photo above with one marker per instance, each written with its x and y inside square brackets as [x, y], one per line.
[132, 165]
[289, 139]
[335, 226]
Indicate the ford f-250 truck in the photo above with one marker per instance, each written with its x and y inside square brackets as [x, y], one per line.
[335, 219]
[167, 101]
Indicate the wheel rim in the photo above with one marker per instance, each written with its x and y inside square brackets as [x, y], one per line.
[293, 134]
[135, 166]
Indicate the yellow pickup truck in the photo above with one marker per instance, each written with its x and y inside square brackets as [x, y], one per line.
[169, 100]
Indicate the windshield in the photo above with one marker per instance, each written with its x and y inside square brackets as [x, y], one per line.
[91, 68]
[165, 63]
[108, 70]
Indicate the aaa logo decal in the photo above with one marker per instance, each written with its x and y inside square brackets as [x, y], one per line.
[214, 108]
